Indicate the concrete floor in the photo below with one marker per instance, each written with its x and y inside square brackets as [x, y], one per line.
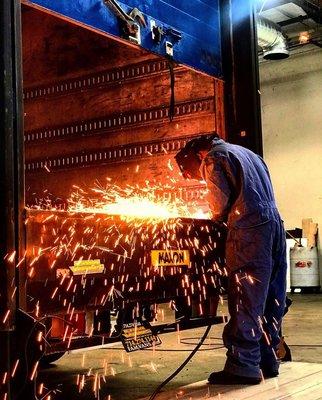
[130, 376]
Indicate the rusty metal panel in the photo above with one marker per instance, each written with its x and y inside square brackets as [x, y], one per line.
[56, 241]
[95, 108]
[119, 120]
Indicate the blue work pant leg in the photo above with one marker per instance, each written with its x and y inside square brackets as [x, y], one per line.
[253, 252]
[275, 303]
[247, 292]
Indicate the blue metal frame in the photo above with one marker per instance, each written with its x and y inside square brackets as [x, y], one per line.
[198, 21]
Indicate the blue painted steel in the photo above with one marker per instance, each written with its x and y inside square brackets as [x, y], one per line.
[198, 21]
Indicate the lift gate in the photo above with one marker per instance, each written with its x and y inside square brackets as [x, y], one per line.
[185, 31]
[85, 263]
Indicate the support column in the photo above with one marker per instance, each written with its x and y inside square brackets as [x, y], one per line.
[11, 185]
[241, 74]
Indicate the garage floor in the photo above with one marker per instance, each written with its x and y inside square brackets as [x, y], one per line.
[123, 376]
[296, 381]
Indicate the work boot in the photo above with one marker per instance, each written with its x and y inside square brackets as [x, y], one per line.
[226, 378]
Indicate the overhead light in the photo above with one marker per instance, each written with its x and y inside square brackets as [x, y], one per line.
[304, 37]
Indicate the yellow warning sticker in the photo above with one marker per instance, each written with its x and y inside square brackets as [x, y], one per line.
[83, 267]
[130, 333]
[137, 337]
[170, 258]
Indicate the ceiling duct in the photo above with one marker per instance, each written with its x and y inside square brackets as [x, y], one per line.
[271, 40]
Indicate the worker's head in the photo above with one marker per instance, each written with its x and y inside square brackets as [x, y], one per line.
[189, 158]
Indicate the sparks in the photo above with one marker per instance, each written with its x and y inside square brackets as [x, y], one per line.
[145, 202]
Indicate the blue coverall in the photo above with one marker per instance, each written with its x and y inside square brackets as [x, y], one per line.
[240, 193]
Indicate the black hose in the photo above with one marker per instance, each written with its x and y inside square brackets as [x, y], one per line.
[180, 368]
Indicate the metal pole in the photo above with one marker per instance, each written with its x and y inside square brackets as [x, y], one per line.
[11, 184]
[241, 73]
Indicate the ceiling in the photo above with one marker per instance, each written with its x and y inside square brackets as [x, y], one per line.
[299, 20]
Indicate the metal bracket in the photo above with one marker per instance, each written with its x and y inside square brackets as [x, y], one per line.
[175, 35]
[157, 32]
[137, 16]
[169, 49]
[129, 23]
[118, 10]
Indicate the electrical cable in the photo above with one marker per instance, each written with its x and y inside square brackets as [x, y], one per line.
[157, 390]
[185, 350]
[171, 350]
[185, 340]
[180, 368]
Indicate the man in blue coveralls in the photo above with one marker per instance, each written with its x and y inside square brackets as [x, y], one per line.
[240, 194]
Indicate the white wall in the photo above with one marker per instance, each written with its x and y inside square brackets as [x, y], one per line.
[291, 93]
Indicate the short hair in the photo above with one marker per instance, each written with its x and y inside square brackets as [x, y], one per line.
[203, 142]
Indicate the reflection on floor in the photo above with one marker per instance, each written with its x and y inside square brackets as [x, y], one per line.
[296, 381]
[125, 376]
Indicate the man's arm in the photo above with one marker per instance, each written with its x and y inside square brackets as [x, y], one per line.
[219, 192]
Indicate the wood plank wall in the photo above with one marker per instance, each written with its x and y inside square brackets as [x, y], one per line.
[95, 108]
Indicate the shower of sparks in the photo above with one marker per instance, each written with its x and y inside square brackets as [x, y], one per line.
[133, 201]
[114, 229]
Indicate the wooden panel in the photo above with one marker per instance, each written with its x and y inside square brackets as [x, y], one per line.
[56, 50]
[107, 116]
[157, 131]
[141, 94]
[99, 79]
[296, 381]
[154, 169]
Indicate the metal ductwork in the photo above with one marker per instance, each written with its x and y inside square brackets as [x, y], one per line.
[271, 40]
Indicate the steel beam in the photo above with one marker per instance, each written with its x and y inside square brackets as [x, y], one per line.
[241, 74]
[312, 8]
[294, 20]
[11, 182]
